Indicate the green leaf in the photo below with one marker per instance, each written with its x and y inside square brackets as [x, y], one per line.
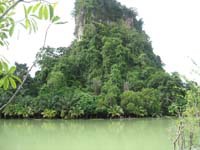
[6, 30]
[2, 9]
[51, 11]
[5, 66]
[6, 84]
[61, 22]
[11, 30]
[41, 12]
[1, 82]
[11, 13]
[55, 18]
[13, 83]
[35, 7]
[34, 25]
[23, 25]
[11, 20]
[12, 26]
[1, 43]
[45, 11]
[29, 9]
[35, 16]
[12, 70]
[1, 66]
[16, 78]
[25, 12]
[27, 23]
[4, 35]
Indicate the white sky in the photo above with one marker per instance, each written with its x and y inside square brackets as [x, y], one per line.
[173, 26]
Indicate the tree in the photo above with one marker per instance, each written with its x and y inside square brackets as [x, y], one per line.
[42, 10]
[143, 103]
[189, 124]
[187, 137]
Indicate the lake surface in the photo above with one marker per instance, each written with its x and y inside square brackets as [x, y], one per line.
[133, 134]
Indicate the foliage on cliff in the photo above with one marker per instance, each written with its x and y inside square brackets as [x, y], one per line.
[111, 71]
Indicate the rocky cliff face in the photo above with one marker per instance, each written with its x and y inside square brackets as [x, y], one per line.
[79, 22]
[102, 11]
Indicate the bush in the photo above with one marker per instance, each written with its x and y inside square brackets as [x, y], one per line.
[23, 108]
[75, 112]
[49, 113]
[115, 111]
[136, 110]
[17, 110]
[143, 103]
[133, 104]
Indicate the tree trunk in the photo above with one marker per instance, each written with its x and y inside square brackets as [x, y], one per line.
[191, 140]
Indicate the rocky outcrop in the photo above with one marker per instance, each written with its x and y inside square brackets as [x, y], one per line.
[103, 14]
[129, 22]
[79, 24]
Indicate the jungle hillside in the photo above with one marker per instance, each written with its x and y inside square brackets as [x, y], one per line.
[109, 71]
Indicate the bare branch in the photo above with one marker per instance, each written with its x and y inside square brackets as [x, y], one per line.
[45, 37]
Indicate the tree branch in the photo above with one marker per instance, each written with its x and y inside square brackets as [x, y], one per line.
[19, 88]
[34, 63]
[45, 1]
[45, 37]
[17, 2]
[26, 76]
[9, 9]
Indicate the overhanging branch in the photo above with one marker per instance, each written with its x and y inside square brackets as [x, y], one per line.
[19, 88]
[9, 9]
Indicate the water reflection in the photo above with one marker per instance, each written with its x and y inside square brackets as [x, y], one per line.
[133, 134]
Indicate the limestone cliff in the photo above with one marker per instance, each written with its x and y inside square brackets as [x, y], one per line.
[103, 11]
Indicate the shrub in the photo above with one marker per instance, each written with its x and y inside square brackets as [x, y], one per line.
[75, 112]
[49, 113]
[115, 111]
[143, 103]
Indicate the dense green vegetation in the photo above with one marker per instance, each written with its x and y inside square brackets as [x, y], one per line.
[110, 72]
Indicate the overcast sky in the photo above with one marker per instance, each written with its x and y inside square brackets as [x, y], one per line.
[173, 26]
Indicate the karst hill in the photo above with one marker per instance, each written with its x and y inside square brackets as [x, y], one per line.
[110, 70]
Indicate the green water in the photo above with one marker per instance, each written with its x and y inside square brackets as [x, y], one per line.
[134, 134]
